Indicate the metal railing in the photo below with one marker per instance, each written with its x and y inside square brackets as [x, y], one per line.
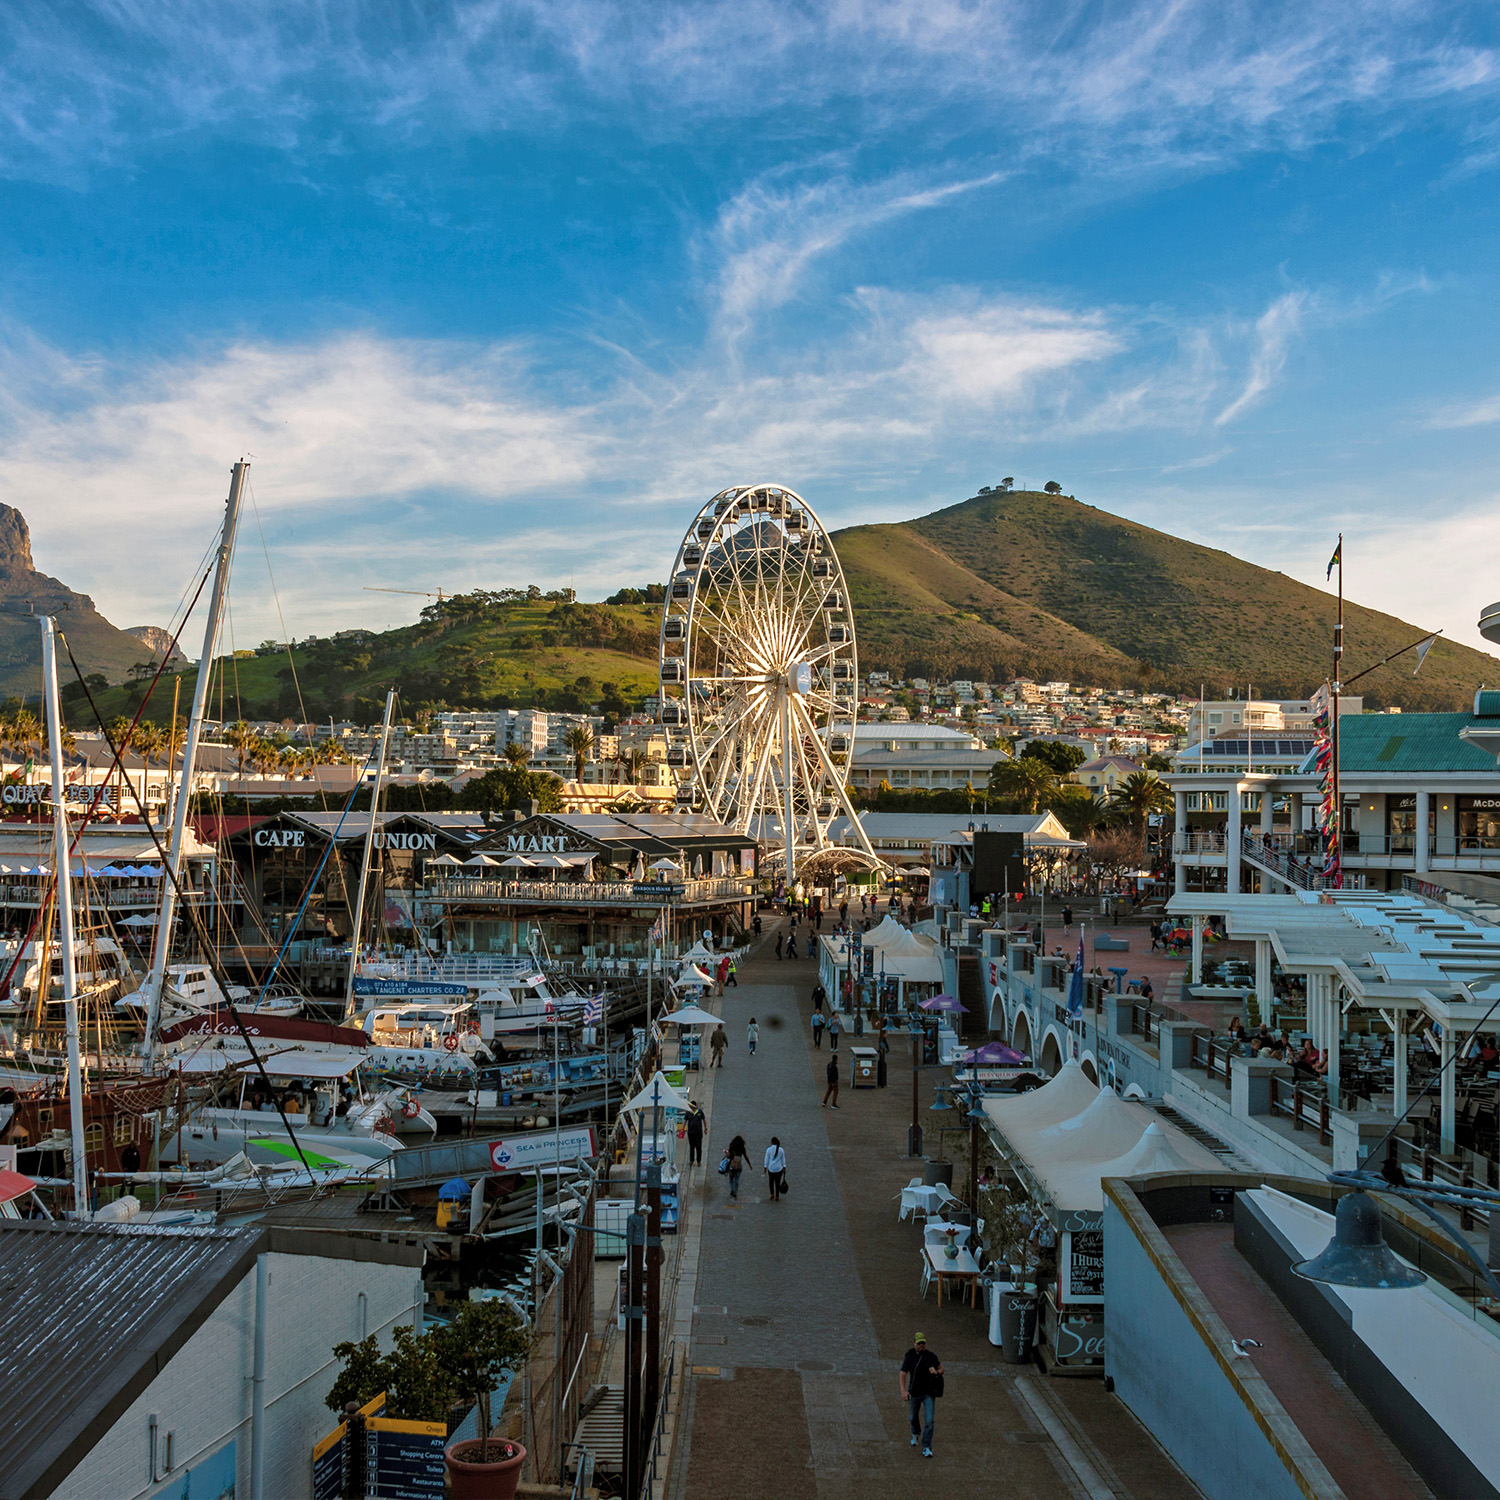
[1184, 842]
[579, 892]
[1210, 1055]
[659, 1426]
[1279, 854]
[1305, 1108]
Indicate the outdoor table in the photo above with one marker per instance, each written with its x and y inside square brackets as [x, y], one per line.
[922, 1199]
[965, 1268]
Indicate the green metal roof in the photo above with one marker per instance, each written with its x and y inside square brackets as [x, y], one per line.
[1410, 742]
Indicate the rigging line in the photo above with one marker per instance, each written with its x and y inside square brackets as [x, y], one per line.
[210, 953]
[93, 807]
[286, 642]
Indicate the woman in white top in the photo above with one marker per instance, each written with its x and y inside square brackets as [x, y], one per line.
[775, 1167]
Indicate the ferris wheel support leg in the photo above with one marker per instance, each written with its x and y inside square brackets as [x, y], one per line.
[788, 811]
[842, 794]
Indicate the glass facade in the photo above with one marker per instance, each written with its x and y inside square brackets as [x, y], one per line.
[1478, 822]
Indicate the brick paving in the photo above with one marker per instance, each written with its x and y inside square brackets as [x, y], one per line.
[804, 1307]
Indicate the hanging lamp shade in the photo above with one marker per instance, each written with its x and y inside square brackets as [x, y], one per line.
[1357, 1255]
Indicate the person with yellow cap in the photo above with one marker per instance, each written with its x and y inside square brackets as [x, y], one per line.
[921, 1381]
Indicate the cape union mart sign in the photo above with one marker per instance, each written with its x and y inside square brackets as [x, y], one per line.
[421, 843]
[539, 843]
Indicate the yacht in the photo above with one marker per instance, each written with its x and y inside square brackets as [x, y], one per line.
[191, 989]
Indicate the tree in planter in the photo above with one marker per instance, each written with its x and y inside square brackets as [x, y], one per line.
[1008, 1222]
[362, 1377]
[482, 1342]
[417, 1383]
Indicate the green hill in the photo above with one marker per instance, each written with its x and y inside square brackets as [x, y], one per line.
[1025, 583]
[470, 652]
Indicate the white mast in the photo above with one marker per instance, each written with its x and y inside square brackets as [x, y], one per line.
[364, 869]
[63, 871]
[157, 977]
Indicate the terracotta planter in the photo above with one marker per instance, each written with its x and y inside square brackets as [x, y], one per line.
[468, 1479]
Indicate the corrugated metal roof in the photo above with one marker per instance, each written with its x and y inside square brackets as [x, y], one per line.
[1410, 742]
[84, 1309]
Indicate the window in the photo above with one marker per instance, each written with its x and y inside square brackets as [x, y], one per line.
[1478, 822]
[124, 1129]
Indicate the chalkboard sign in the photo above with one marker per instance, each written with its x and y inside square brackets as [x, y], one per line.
[1085, 1266]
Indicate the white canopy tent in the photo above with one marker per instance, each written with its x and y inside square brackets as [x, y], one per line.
[691, 1015]
[657, 1091]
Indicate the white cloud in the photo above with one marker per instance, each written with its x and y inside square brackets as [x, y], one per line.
[1481, 413]
[1181, 78]
[1274, 331]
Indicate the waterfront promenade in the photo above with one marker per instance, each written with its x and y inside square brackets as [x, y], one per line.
[803, 1308]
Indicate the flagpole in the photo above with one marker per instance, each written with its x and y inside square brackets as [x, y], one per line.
[1338, 795]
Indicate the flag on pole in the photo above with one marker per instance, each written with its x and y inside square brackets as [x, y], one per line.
[1422, 651]
[1075, 984]
[1337, 558]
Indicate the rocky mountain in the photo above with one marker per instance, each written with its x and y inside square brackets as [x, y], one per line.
[1042, 585]
[156, 640]
[24, 592]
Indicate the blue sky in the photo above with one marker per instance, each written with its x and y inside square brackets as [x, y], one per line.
[498, 293]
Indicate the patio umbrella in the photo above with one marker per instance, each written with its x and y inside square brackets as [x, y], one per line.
[445, 859]
[667, 866]
[518, 862]
[691, 1015]
[943, 1002]
[693, 975]
[657, 1091]
[994, 1055]
[482, 860]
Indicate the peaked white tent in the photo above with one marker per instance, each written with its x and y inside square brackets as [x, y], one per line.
[1067, 1094]
[657, 1091]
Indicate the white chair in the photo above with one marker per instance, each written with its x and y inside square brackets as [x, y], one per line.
[946, 1196]
[926, 1274]
[910, 1203]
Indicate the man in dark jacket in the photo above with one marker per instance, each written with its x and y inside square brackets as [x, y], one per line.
[921, 1381]
[833, 1081]
[694, 1123]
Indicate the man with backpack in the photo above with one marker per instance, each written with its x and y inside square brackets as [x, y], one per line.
[921, 1381]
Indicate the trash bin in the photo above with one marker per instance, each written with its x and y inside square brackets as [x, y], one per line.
[934, 1172]
[1013, 1324]
[862, 1067]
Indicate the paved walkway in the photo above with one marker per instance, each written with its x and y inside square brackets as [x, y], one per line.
[803, 1309]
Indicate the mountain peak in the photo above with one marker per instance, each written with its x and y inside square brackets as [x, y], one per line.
[15, 542]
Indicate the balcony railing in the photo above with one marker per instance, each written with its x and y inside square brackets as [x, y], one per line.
[1187, 842]
[454, 888]
[1307, 1109]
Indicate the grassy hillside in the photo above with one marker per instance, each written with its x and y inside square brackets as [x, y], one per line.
[536, 654]
[1043, 585]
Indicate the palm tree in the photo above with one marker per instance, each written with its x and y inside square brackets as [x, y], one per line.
[23, 732]
[1138, 796]
[516, 755]
[241, 738]
[634, 762]
[1026, 780]
[580, 741]
[150, 743]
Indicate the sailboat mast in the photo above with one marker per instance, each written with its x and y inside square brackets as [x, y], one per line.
[163, 945]
[364, 869]
[64, 875]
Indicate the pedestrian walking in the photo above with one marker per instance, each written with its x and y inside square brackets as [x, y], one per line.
[819, 996]
[734, 1156]
[843, 913]
[1155, 936]
[718, 1045]
[755, 924]
[819, 1021]
[832, 1074]
[776, 1168]
[834, 1028]
[1067, 918]
[921, 1381]
[721, 975]
[778, 945]
[734, 975]
[694, 1124]
[752, 1035]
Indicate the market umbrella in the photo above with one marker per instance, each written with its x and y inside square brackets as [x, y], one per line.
[668, 865]
[482, 860]
[691, 1015]
[994, 1055]
[943, 1002]
[445, 859]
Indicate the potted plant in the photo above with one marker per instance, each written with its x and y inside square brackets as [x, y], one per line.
[482, 1342]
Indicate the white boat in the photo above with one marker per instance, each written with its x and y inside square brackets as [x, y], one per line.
[100, 968]
[426, 1038]
[508, 994]
[191, 989]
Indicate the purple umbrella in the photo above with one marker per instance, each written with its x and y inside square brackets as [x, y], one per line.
[995, 1055]
[943, 1002]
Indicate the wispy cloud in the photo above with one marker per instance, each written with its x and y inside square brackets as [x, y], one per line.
[1274, 331]
[94, 83]
[1481, 413]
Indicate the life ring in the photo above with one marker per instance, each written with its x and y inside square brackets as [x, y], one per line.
[410, 1110]
[451, 1042]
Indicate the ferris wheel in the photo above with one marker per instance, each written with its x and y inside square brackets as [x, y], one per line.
[759, 676]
